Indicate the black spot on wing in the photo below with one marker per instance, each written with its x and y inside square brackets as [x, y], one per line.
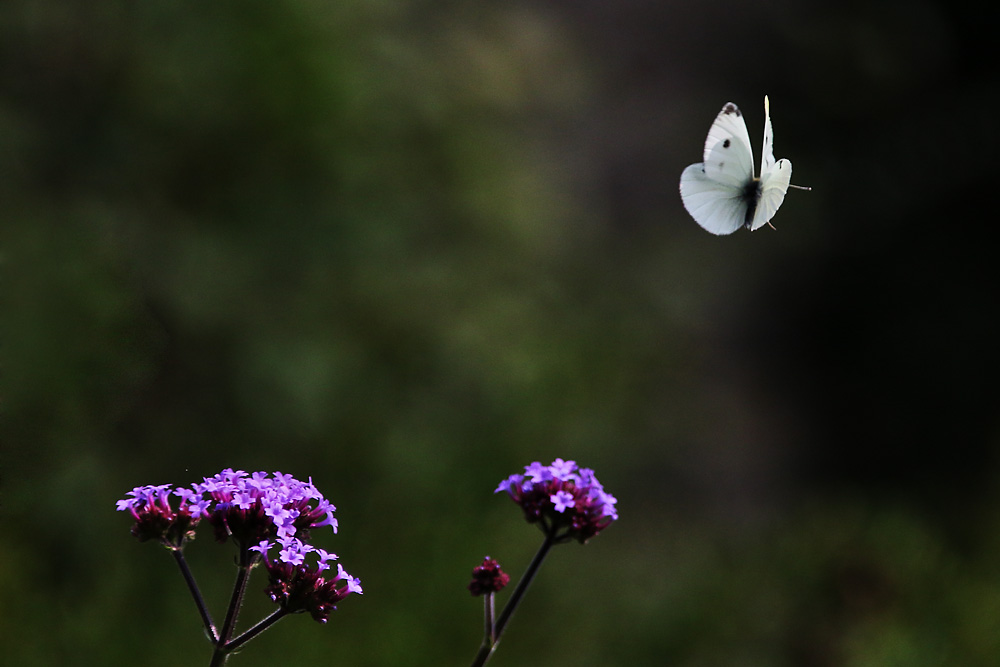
[725, 144]
[731, 108]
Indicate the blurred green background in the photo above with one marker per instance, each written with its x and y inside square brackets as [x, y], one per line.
[406, 248]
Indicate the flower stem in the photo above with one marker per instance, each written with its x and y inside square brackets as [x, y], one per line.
[489, 634]
[206, 617]
[262, 625]
[222, 648]
[492, 639]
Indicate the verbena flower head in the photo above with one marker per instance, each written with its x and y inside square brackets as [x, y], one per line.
[245, 507]
[251, 508]
[155, 517]
[488, 577]
[299, 577]
[566, 501]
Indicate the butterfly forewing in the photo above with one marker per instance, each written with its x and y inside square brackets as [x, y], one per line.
[767, 153]
[728, 156]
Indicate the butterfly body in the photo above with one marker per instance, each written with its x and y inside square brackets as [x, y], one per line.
[722, 193]
[750, 196]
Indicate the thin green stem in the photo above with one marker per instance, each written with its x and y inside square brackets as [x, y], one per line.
[219, 657]
[222, 648]
[489, 634]
[492, 639]
[522, 586]
[206, 617]
[262, 625]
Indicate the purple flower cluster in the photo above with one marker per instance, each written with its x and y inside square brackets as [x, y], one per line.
[297, 586]
[250, 508]
[155, 518]
[257, 511]
[568, 502]
[247, 508]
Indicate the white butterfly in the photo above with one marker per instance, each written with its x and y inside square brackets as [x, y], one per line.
[721, 193]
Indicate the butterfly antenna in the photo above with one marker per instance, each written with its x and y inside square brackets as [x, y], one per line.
[799, 187]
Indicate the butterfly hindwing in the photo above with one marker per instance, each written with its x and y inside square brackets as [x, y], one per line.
[773, 186]
[718, 208]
